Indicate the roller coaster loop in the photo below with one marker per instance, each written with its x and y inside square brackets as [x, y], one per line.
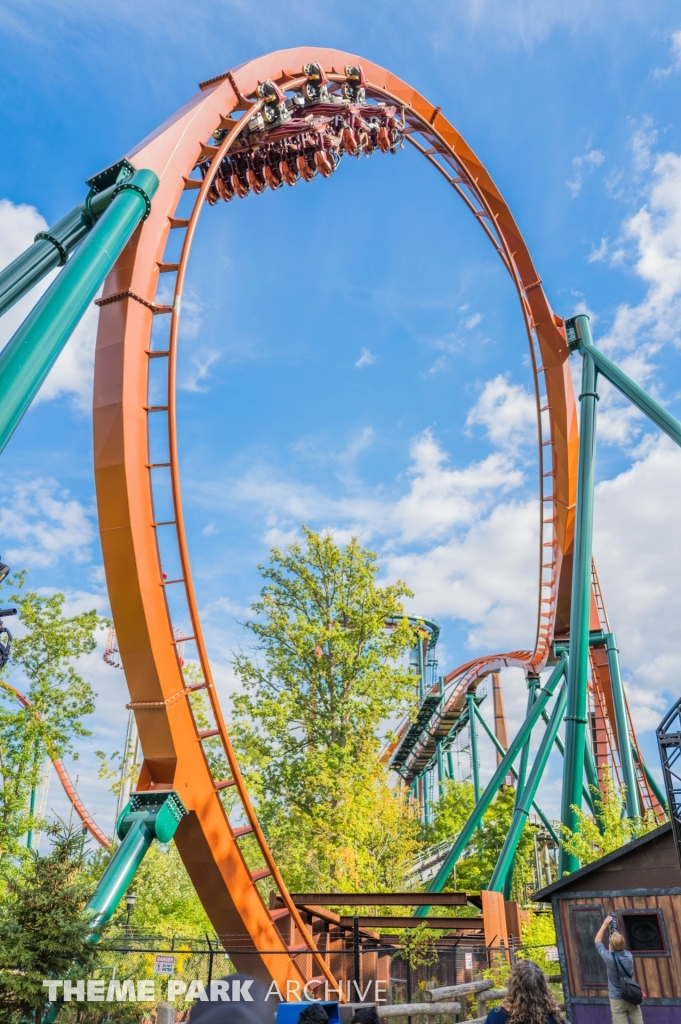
[278, 120]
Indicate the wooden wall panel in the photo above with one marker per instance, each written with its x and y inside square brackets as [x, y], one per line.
[658, 975]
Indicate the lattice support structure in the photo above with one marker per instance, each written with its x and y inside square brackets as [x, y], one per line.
[669, 742]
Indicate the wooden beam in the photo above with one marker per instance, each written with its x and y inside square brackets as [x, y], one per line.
[380, 899]
[444, 923]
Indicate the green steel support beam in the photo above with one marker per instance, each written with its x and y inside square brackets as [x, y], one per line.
[547, 824]
[579, 337]
[148, 816]
[586, 792]
[422, 670]
[30, 354]
[440, 768]
[51, 248]
[580, 607]
[631, 800]
[595, 805]
[533, 684]
[472, 720]
[450, 764]
[652, 781]
[437, 884]
[503, 870]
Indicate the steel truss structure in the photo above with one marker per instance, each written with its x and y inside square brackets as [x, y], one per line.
[270, 123]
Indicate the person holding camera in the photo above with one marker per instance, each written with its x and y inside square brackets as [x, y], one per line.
[625, 994]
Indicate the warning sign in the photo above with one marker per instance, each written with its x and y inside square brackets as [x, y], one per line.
[164, 964]
[551, 953]
[468, 964]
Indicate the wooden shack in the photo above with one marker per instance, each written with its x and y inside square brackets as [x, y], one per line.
[640, 885]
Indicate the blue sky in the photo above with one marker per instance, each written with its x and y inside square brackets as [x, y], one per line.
[352, 352]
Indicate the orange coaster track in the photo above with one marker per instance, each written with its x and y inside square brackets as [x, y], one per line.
[147, 607]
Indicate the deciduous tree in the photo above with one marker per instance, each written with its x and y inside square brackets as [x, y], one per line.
[326, 677]
[42, 668]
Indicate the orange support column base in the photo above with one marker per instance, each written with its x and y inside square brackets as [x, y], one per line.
[494, 918]
[516, 917]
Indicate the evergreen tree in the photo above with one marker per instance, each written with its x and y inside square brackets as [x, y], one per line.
[43, 933]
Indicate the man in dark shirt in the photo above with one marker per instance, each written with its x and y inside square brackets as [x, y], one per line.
[622, 1011]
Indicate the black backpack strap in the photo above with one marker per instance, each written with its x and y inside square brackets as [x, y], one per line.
[620, 966]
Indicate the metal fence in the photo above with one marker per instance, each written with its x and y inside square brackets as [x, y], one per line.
[189, 961]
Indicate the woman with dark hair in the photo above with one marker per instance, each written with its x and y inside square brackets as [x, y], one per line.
[529, 999]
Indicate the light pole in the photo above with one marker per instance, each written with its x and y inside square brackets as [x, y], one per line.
[130, 904]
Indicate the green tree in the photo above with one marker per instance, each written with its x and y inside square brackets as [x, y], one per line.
[41, 667]
[308, 719]
[451, 811]
[589, 841]
[43, 933]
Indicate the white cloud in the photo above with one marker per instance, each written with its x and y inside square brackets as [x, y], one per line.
[485, 577]
[675, 48]
[588, 161]
[366, 359]
[598, 255]
[473, 321]
[72, 372]
[638, 332]
[527, 23]
[507, 412]
[40, 523]
[201, 362]
[642, 142]
[18, 227]
[636, 543]
[440, 498]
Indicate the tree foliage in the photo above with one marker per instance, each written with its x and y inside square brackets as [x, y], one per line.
[42, 668]
[328, 675]
[589, 841]
[43, 933]
[308, 719]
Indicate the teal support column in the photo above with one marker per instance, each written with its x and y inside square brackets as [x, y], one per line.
[651, 780]
[437, 884]
[450, 764]
[631, 800]
[426, 798]
[503, 870]
[30, 354]
[547, 824]
[422, 670]
[148, 816]
[475, 762]
[586, 792]
[440, 768]
[51, 248]
[580, 607]
[579, 337]
[31, 811]
[595, 805]
[532, 686]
